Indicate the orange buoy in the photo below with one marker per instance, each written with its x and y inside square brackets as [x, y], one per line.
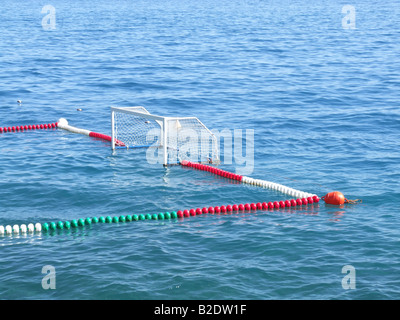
[337, 198]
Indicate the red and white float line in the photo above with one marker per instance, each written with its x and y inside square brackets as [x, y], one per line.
[63, 124]
[28, 127]
[256, 182]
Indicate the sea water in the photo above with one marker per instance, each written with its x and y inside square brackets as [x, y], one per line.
[316, 83]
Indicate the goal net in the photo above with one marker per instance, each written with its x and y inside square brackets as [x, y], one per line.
[176, 138]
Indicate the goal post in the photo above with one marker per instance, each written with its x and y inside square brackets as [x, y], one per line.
[178, 138]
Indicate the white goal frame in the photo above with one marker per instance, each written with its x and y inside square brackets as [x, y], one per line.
[207, 140]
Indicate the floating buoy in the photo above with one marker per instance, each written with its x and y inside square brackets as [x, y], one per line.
[337, 198]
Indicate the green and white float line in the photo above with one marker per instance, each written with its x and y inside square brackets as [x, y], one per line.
[73, 224]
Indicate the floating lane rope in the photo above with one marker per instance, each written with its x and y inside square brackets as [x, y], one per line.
[180, 214]
[256, 182]
[63, 124]
[28, 127]
[23, 228]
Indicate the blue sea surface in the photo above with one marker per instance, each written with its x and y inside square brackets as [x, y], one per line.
[322, 99]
